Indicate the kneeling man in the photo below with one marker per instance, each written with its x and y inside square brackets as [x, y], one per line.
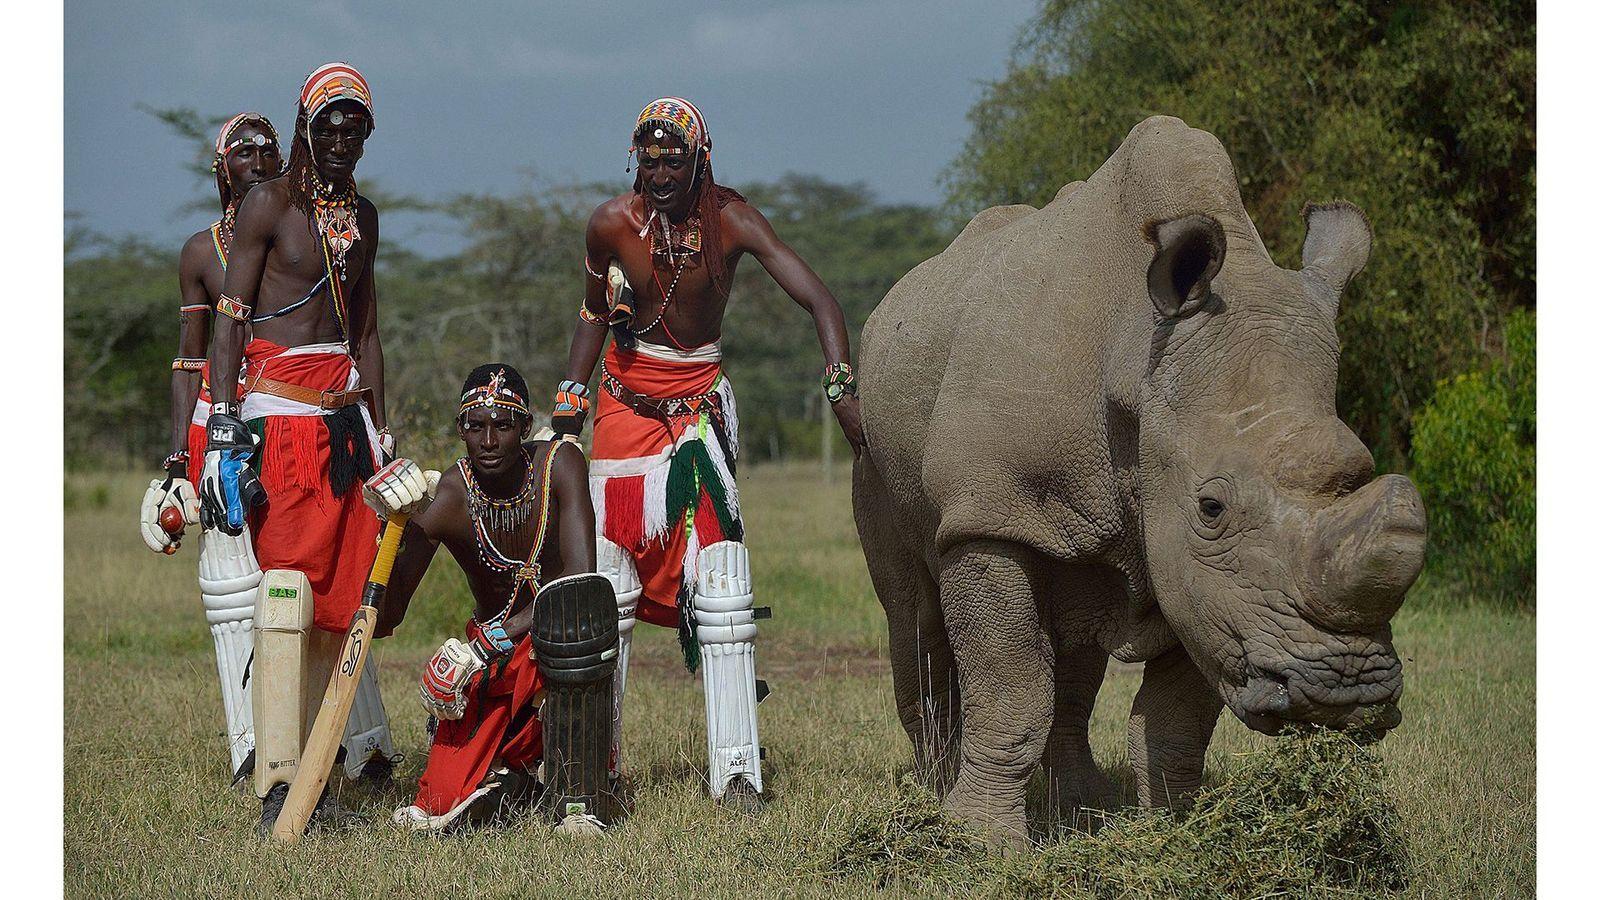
[516, 516]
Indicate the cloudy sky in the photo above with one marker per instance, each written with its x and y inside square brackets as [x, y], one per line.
[853, 90]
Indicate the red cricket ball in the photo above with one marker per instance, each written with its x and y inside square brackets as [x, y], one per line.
[171, 520]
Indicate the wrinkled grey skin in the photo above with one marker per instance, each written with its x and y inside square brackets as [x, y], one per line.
[1107, 427]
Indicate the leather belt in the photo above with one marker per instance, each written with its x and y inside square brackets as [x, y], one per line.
[326, 400]
[662, 409]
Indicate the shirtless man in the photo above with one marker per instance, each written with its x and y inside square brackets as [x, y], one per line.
[516, 517]
[247, 154]
[661, 260]
[281, 465]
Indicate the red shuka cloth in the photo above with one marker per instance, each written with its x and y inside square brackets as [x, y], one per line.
[620, 433]
[503, 726]
[333, 540]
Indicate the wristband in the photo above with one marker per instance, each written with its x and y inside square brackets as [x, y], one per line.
[838, 379]
[188, 364]
[176, 464]
[589, 317]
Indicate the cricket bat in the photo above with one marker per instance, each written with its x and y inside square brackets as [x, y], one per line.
[316, 760]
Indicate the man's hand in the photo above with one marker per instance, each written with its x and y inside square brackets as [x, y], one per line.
[445, 681]
[847, 410]
[229, 488]
[401, 486]
[171, 492]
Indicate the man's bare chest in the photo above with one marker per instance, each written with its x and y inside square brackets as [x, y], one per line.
[301, 256]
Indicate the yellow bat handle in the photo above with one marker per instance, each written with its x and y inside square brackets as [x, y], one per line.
[384, 563]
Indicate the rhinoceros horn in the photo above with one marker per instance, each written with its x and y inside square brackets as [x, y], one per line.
[1362, 553]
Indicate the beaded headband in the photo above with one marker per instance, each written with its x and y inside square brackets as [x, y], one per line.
[494, 395]
[224, 147]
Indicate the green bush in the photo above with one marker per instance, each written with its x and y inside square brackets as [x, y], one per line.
[1473, 460]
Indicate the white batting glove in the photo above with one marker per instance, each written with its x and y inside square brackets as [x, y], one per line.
[400, 487]
[163, 494]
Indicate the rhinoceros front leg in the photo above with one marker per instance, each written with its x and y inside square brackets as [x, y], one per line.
[1004, 662]
[1173, 717]
[1073, 781]
[925, 690]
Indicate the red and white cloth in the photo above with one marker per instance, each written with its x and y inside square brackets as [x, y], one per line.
[303, 526]
[663, 492]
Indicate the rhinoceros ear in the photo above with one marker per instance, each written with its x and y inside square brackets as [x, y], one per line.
[1189, 252]
[1338, 240]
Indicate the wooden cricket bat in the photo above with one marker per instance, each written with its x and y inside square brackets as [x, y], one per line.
[316, 760]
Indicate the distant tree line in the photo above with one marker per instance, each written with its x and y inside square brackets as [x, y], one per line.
[511, 294]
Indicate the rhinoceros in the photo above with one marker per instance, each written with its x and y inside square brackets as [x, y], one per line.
[1106, 427]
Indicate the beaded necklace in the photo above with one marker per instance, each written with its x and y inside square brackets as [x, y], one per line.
[490, 555]
[334, 212]
[500, 514]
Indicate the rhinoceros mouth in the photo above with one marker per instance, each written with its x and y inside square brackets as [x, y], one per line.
[1274, 697]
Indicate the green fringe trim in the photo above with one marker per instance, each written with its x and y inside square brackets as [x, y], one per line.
[692, 470]
[687, 640]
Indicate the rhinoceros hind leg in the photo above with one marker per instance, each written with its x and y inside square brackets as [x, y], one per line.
[926, 693]
[1004, 657]
[1173, 716]
[1073, 782]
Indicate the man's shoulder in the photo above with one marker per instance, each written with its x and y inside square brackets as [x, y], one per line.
[568, 454]
[196, 248]
[614, 213]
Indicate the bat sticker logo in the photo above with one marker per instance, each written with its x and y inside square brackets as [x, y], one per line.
[357, 638]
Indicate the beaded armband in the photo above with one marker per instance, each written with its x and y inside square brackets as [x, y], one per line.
[175, 458]
[188, 364]
[233, 308]
[572, 396]
[589, 317]
[490, 637]
[838, 380]
[587, 267]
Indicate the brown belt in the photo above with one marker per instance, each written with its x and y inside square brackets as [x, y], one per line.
[662, 409]
[311, 396]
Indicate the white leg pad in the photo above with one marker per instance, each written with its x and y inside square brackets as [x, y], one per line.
[615, 563]
[724, 612]
[282, 675]
[366, 732]
[229, 576]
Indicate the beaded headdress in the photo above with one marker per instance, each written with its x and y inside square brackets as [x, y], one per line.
[676, 116]
[224, 146]
[494, 395]
[330, 83]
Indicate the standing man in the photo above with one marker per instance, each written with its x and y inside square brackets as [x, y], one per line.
[284, 466]
[246, 154]
[661, 261]
[516, 518]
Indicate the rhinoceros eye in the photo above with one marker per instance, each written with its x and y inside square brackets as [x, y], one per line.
[1211, 509]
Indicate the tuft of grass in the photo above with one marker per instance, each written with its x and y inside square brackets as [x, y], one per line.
[1307, 817]
[906, 840]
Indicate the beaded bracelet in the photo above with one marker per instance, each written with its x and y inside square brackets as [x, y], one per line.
[188, 364]
[589, 317]
[838, 380]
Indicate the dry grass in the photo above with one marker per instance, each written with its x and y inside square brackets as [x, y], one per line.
[148, 812]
